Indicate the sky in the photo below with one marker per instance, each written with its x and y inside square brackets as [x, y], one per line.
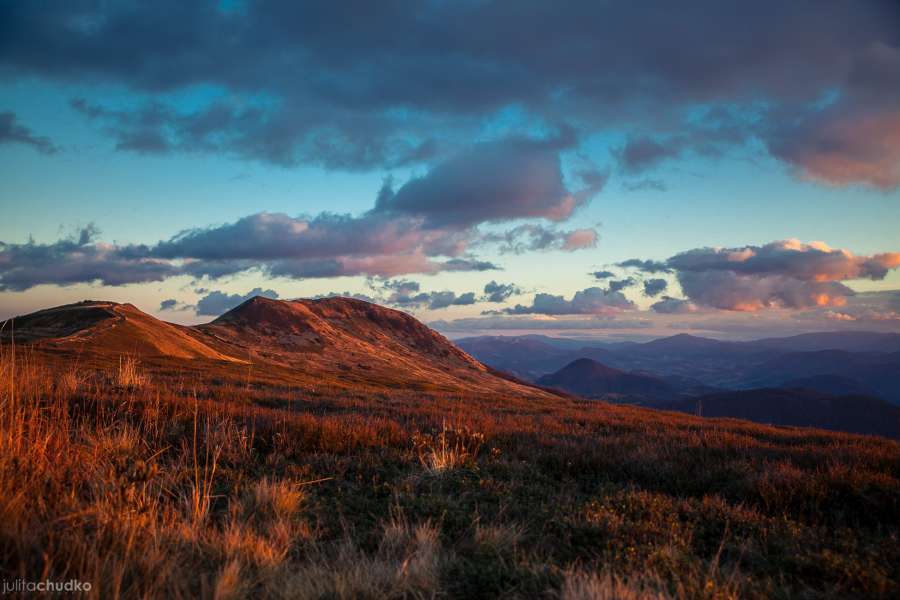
[608, 170]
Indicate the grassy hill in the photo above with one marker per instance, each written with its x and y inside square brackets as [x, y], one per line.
[159, 476]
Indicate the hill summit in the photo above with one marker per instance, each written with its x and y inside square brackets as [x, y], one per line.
[336, 341]
[592, 379]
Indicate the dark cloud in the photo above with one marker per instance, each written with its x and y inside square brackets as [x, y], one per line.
[491, 182]
[674, 306]
[854, 137]
[401, 286]
[274, 244]
[603, 274]
[168, 304]
[346, 294]
[76, 259]
[215, 303]
[783, 274]
[590, 301]
[445, 299]
[12, 132]
[467, 264]
[500, 292]
[531, 237]
[642, 153]
[648, 266]
[405, 293]
[654, 287]
[593, 178]
[815, 261]
[370, 98]
[617, 285]
[252, 133]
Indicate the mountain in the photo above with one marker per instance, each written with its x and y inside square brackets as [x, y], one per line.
[800, 408]
[331, 342]
[592, 379]
[829, 384]
[875, 371]
[111, 328]
[866, 362]
[527, 357]
[850, 341]
[683, 343]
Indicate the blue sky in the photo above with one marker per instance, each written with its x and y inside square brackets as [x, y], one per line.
[530, 167]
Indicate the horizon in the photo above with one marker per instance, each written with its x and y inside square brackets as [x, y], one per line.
[559, 335]
[480, 183]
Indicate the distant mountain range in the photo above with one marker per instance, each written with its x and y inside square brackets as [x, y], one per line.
[799, 408]
[833, 362]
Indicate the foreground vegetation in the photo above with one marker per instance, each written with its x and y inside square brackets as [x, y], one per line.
[151, 481]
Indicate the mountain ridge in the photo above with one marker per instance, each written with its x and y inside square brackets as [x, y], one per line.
[337, 341]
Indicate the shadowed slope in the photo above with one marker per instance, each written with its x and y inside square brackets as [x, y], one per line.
[800, 408]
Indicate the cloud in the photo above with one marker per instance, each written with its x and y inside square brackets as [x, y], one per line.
[428, 226]
[171, 304]
[216, 303]
[669, 305]
[590, 301]
[579, 239]
[603, 274]
[371, 99]
[814, 261]
[444, 299]
[856, 137]
[639, 154]
[654, 287]
[532, 237]
[498, 181]
[346, 294]
[468, 264]
[500, 292]
[11, 132]
[783, 274]
[648, 266]
[617, 285]
[405, 293]
[76, 259]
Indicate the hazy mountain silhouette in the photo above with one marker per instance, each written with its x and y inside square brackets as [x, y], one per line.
[592, 379]
[800, 408]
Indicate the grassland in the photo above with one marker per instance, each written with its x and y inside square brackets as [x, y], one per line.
[170, 480]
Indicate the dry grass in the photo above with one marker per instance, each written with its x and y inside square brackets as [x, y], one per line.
[130, 374]
[593, 586]
[450, 448]
[215, 486]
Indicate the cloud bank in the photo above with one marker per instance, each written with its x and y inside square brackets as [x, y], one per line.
[428, 225]
[783, 274]
[820, 94]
